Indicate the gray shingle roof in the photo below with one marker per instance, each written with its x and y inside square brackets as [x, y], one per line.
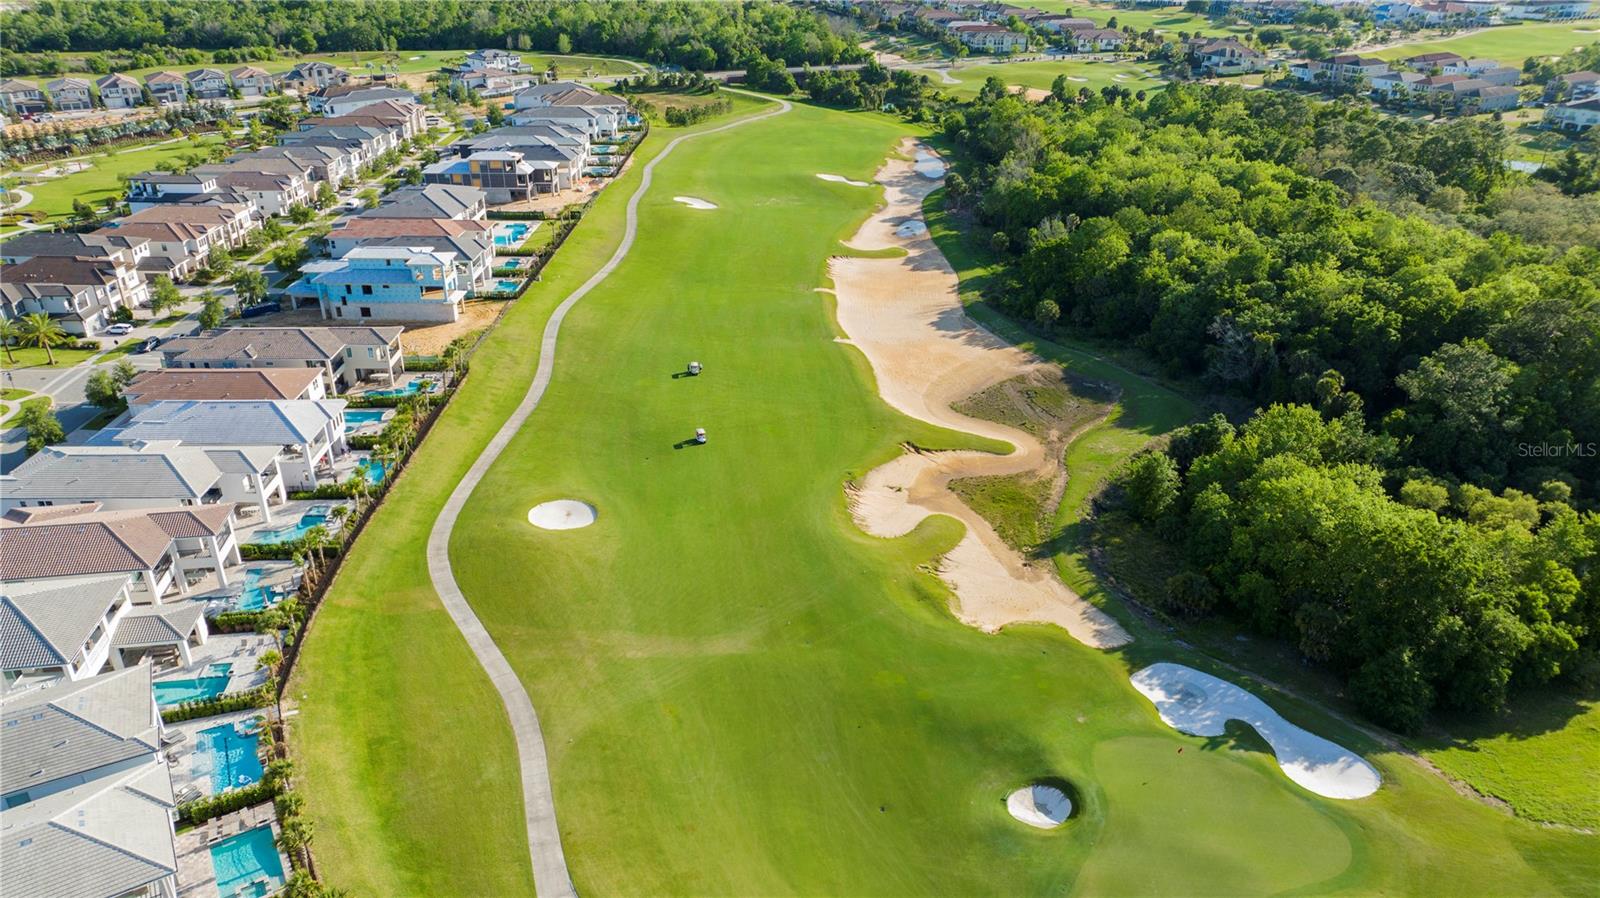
[91, 473]
[431, 201]
[162, 625]
[294, 343]
[45, 624]
[261, 422]
[74, 727]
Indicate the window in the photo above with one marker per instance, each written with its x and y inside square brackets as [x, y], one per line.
[366, 289]
[366, 311]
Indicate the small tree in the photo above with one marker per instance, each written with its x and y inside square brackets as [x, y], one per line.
[326, 196]
[8, 333]
[1047, 313]
[102, 391]
[42, 426]
[164, 295]
[39, 329]
[212, 313]
[251, 285]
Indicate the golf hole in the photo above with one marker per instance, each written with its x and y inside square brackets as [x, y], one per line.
[695, 202]
[1042, 805]
[562, 514]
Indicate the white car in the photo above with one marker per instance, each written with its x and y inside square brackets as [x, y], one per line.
[120, 328]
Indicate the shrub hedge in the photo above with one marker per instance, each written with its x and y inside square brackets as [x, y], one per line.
[202, 809]
[259, 697]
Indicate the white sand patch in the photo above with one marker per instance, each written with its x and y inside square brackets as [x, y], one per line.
[695, 202]
[1076, 78]
[1043, 806]
[911, 228]
[929, 165]
[562, 514]
[1200, 704]
[841, 179]
[905, 315]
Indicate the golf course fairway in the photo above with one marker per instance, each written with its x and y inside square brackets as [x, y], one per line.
[742, 693]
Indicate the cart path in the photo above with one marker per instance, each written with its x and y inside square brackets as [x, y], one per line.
[550, 876]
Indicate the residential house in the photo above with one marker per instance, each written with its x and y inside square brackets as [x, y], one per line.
[1060, 23]
[161, 188]
[345, 355]
[307, 434]
[1342, 69]
[306, 77]
[343, 99]
[492, 60]
[386, 283]
[503, 175]
[1096, 40]
[1573, 86]
[1575, 117]
[1496, 98]
[174, 249]
[232, 222]
[119, 248]
[471, 241]
[363, 144]
[596, 122]
[81, 293]
[20, 97]
[95, 821]
[1397, 85]
[321, 164]
[1226, 56]
[180, 384]
[432, 201]
[167, 88]
[1426, 63]
[408, 119]
[558, 161]
[207, 84]
[251, 81]
[70, 94]
[493, 83]
[1547, 10]
[1427, 15]
[274, 193]
[990, 38]
[160, 476]
[119, 91]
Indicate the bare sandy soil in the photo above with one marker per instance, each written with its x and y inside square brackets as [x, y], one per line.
[431, 339]
[906, 316]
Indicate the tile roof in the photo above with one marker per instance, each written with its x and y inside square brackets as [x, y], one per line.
[235, 383]
[374, 228]
[159, 625]
[91, 473]
[66, 243]
[309, 343]
[102, 542]
[416, 202]
[228, 422]
[46, 623]
[75, 727]
[73, 271]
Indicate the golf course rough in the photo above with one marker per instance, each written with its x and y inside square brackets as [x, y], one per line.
[784, 703]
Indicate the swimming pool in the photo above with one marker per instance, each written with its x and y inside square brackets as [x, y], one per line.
[512, 234]
[212, 683]
[376, 470]
[415, 386]
[230, 755]
[357, 418]
[255, 595]
[507, 286]
[291, 533]
[247, 864]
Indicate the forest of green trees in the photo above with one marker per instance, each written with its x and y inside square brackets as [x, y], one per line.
[699, 36]
[1412, 503]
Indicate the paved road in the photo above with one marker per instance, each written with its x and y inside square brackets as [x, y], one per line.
[550, 876]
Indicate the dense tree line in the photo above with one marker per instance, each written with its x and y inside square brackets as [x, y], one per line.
[694, 35]
[1190, 225]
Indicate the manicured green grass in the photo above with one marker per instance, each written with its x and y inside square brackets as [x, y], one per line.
[167, 321]
[1167, 20]
[742, 693]
[54, 196]
[34, 357]
[12, 395]
[1510, 44]
[14, 416]
[1041, 75]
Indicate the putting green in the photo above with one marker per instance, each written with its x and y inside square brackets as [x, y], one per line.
[740, 692]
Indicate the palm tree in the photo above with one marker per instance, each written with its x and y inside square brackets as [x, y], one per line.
[39, 329]
[8, 333]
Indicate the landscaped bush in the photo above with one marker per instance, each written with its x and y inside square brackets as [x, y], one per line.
[508, 215]
[202, 809]
[259, 697]
[234, 622]
[367, 441]
[325, 491]
[424, 363]
[285, 551]
[373, 401]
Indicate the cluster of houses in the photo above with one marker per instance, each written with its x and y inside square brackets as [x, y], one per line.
[492, 73]
[1465, 85]
[164, 88]
[986, 26]
[1575, 102]
[1478, 13]
[117, 557]
[178, 222]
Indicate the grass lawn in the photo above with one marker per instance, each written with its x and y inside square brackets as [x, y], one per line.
[1510, 44]
[34, 357]
[54, 196]
[1093, 75]
[167, 321]
[13, 394]
[1167, 20]
[16, 415]
[743, 694]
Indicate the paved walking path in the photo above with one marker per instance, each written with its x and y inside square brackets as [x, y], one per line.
[550, 876]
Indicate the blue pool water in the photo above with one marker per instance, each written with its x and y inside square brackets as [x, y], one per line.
[356, 418]
[505, 286]
[511, 234]
[255, 594]
[376, 470]
[415, 386]
[212, 684]
[291, 533]
[247, 865]
[232, 756]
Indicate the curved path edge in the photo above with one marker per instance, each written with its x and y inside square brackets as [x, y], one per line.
[550, 876]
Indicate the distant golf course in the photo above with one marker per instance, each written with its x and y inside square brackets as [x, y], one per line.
[741, 692]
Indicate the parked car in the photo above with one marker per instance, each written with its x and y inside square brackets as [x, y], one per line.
[120, 328]
[150, 344]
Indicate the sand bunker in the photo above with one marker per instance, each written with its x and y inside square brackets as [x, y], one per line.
[928, 165]
[1076, 78]
[911, 228]
[841, 179]
[695, 202]
[1038, 805]
[1200, 704]
[905, 315]
[562, 514]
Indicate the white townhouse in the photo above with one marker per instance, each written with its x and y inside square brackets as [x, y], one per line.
[344, 355]
[81, 294]
[145, 476]
[70, 94]
[1573, 117]
[167, 88]
[119, 91]
[251, 81]
[308, 435]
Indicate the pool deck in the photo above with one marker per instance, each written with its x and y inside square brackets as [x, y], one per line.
[285, 515]
[182, 767]
[197, 878]
[239, 649]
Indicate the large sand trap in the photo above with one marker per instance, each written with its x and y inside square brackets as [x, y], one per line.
[1200, 704]
[562, 514]
[1038, 805]
[929, 166]
[841, 179]
[906, 316]
[695, 202]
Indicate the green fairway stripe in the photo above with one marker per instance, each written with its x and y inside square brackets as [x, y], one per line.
[550, 876]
